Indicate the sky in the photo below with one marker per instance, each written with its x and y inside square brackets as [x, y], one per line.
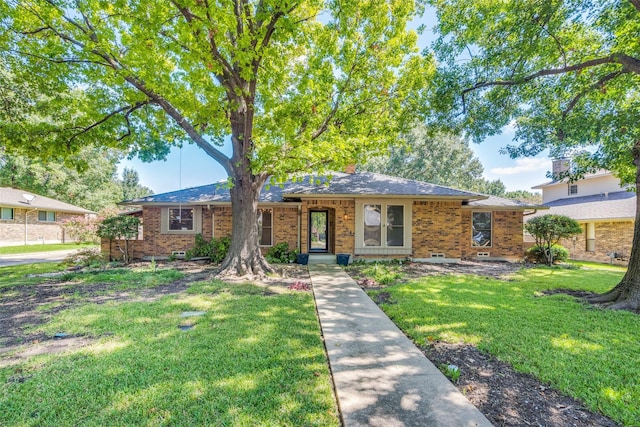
[191, 167]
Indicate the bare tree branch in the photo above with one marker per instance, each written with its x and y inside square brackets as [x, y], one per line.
[636, 4]
[129, 108]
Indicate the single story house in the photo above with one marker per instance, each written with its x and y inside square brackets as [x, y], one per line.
[365, 215]
[27, 218]
[604, 208]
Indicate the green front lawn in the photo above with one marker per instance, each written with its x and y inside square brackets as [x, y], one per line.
[254, 358]
[588, 353]
[26, 249]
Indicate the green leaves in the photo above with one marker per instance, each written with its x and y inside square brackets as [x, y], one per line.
[560, 71]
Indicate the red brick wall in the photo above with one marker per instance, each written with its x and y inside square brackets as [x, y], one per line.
[342, 232]
[611, 236]
[507, 236]
[12, 232]
[437, 228]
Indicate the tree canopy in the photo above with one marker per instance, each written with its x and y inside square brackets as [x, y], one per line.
[566, 73]
[442, 159]
[91, 183]
[298, 85]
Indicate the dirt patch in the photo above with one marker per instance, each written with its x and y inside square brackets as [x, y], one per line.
[33, 305]
[504, 396]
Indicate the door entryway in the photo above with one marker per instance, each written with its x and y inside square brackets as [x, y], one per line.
[319, 231]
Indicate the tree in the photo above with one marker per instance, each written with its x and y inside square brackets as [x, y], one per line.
[120, 227]
[442, 159]
[131, 187]
[525, 196]
[549, 229]
[295, 83]
[565, 73]
[90, 181]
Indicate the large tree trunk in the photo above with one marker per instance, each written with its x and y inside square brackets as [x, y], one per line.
[626, 294]
[244, 257]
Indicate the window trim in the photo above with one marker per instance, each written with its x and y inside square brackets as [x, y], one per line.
[260, 228]
[46, 215]
[197, 220]
[490, 245]
[383, 249]
[13, 214]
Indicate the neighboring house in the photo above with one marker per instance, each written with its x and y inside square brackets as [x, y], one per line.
[365, 215]
[27, 218]
[603, 207]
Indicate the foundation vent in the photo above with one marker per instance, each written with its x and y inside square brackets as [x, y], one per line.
[178, 254]
[484, 254]
[437, 255]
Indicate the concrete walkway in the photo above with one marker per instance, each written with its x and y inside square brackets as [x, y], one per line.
[380, 376]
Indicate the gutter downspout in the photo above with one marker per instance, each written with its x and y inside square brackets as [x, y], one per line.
[299, 230]
[26, 222]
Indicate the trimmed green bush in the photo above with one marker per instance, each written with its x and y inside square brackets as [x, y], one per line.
[216, 249]
[538, 254]
[280, 253]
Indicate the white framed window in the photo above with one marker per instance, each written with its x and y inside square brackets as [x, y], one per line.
[46, 216]
[181, 220]
[265, 227]
[481, 229]
[383, 227]
[6, 213]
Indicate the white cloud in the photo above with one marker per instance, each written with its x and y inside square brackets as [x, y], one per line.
[525, 165]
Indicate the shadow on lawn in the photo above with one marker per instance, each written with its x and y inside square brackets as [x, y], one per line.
[251, 359]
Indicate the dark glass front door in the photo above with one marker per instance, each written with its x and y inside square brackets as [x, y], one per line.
[318, 231]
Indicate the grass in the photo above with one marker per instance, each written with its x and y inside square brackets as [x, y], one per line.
[587, 353]
[252, 359]
[26, 249]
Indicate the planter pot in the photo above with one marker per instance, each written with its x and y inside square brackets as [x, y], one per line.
[343, 259]
[303, 259]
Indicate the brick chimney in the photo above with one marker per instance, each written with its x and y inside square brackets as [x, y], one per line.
[559, 166]
[350, 169]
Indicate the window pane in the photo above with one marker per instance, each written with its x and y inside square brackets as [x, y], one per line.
[42, 215]
[395, 225]
[264, 226]
[51, 216]
[181, 219]
[372, 225]
[7, 213]
[481, 229]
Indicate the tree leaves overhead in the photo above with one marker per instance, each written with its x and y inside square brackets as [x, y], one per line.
[142, 75]
[566, 73]
[441, 159]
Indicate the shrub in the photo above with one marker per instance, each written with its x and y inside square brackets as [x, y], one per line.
[548, 230]
[539, 255]
[86, 257]
[281, 253]
[215, 249]
[383, 274]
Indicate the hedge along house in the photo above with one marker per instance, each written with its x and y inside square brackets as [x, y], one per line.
[27, 218]
[366, 215]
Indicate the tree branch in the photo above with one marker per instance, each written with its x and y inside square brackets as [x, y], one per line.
[598, 85]
[129, 108]
[636, 4]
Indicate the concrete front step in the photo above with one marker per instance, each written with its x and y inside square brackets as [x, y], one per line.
[322, 259]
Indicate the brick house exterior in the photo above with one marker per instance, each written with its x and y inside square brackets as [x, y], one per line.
[368, 216]
[38, 220]
[602, 206]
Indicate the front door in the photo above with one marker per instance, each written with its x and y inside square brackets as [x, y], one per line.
[318, 231]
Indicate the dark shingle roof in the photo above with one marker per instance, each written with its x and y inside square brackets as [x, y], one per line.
[618, 205]
[359, 184]
[13, 197]
[500, 202]
[369, 184]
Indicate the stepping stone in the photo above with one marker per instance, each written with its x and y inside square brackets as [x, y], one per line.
[61, 335]
[193, 313]
[185, 327]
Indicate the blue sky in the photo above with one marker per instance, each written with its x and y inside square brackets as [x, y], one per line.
[196, 168]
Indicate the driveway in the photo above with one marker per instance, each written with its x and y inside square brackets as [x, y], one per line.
[30, 258]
